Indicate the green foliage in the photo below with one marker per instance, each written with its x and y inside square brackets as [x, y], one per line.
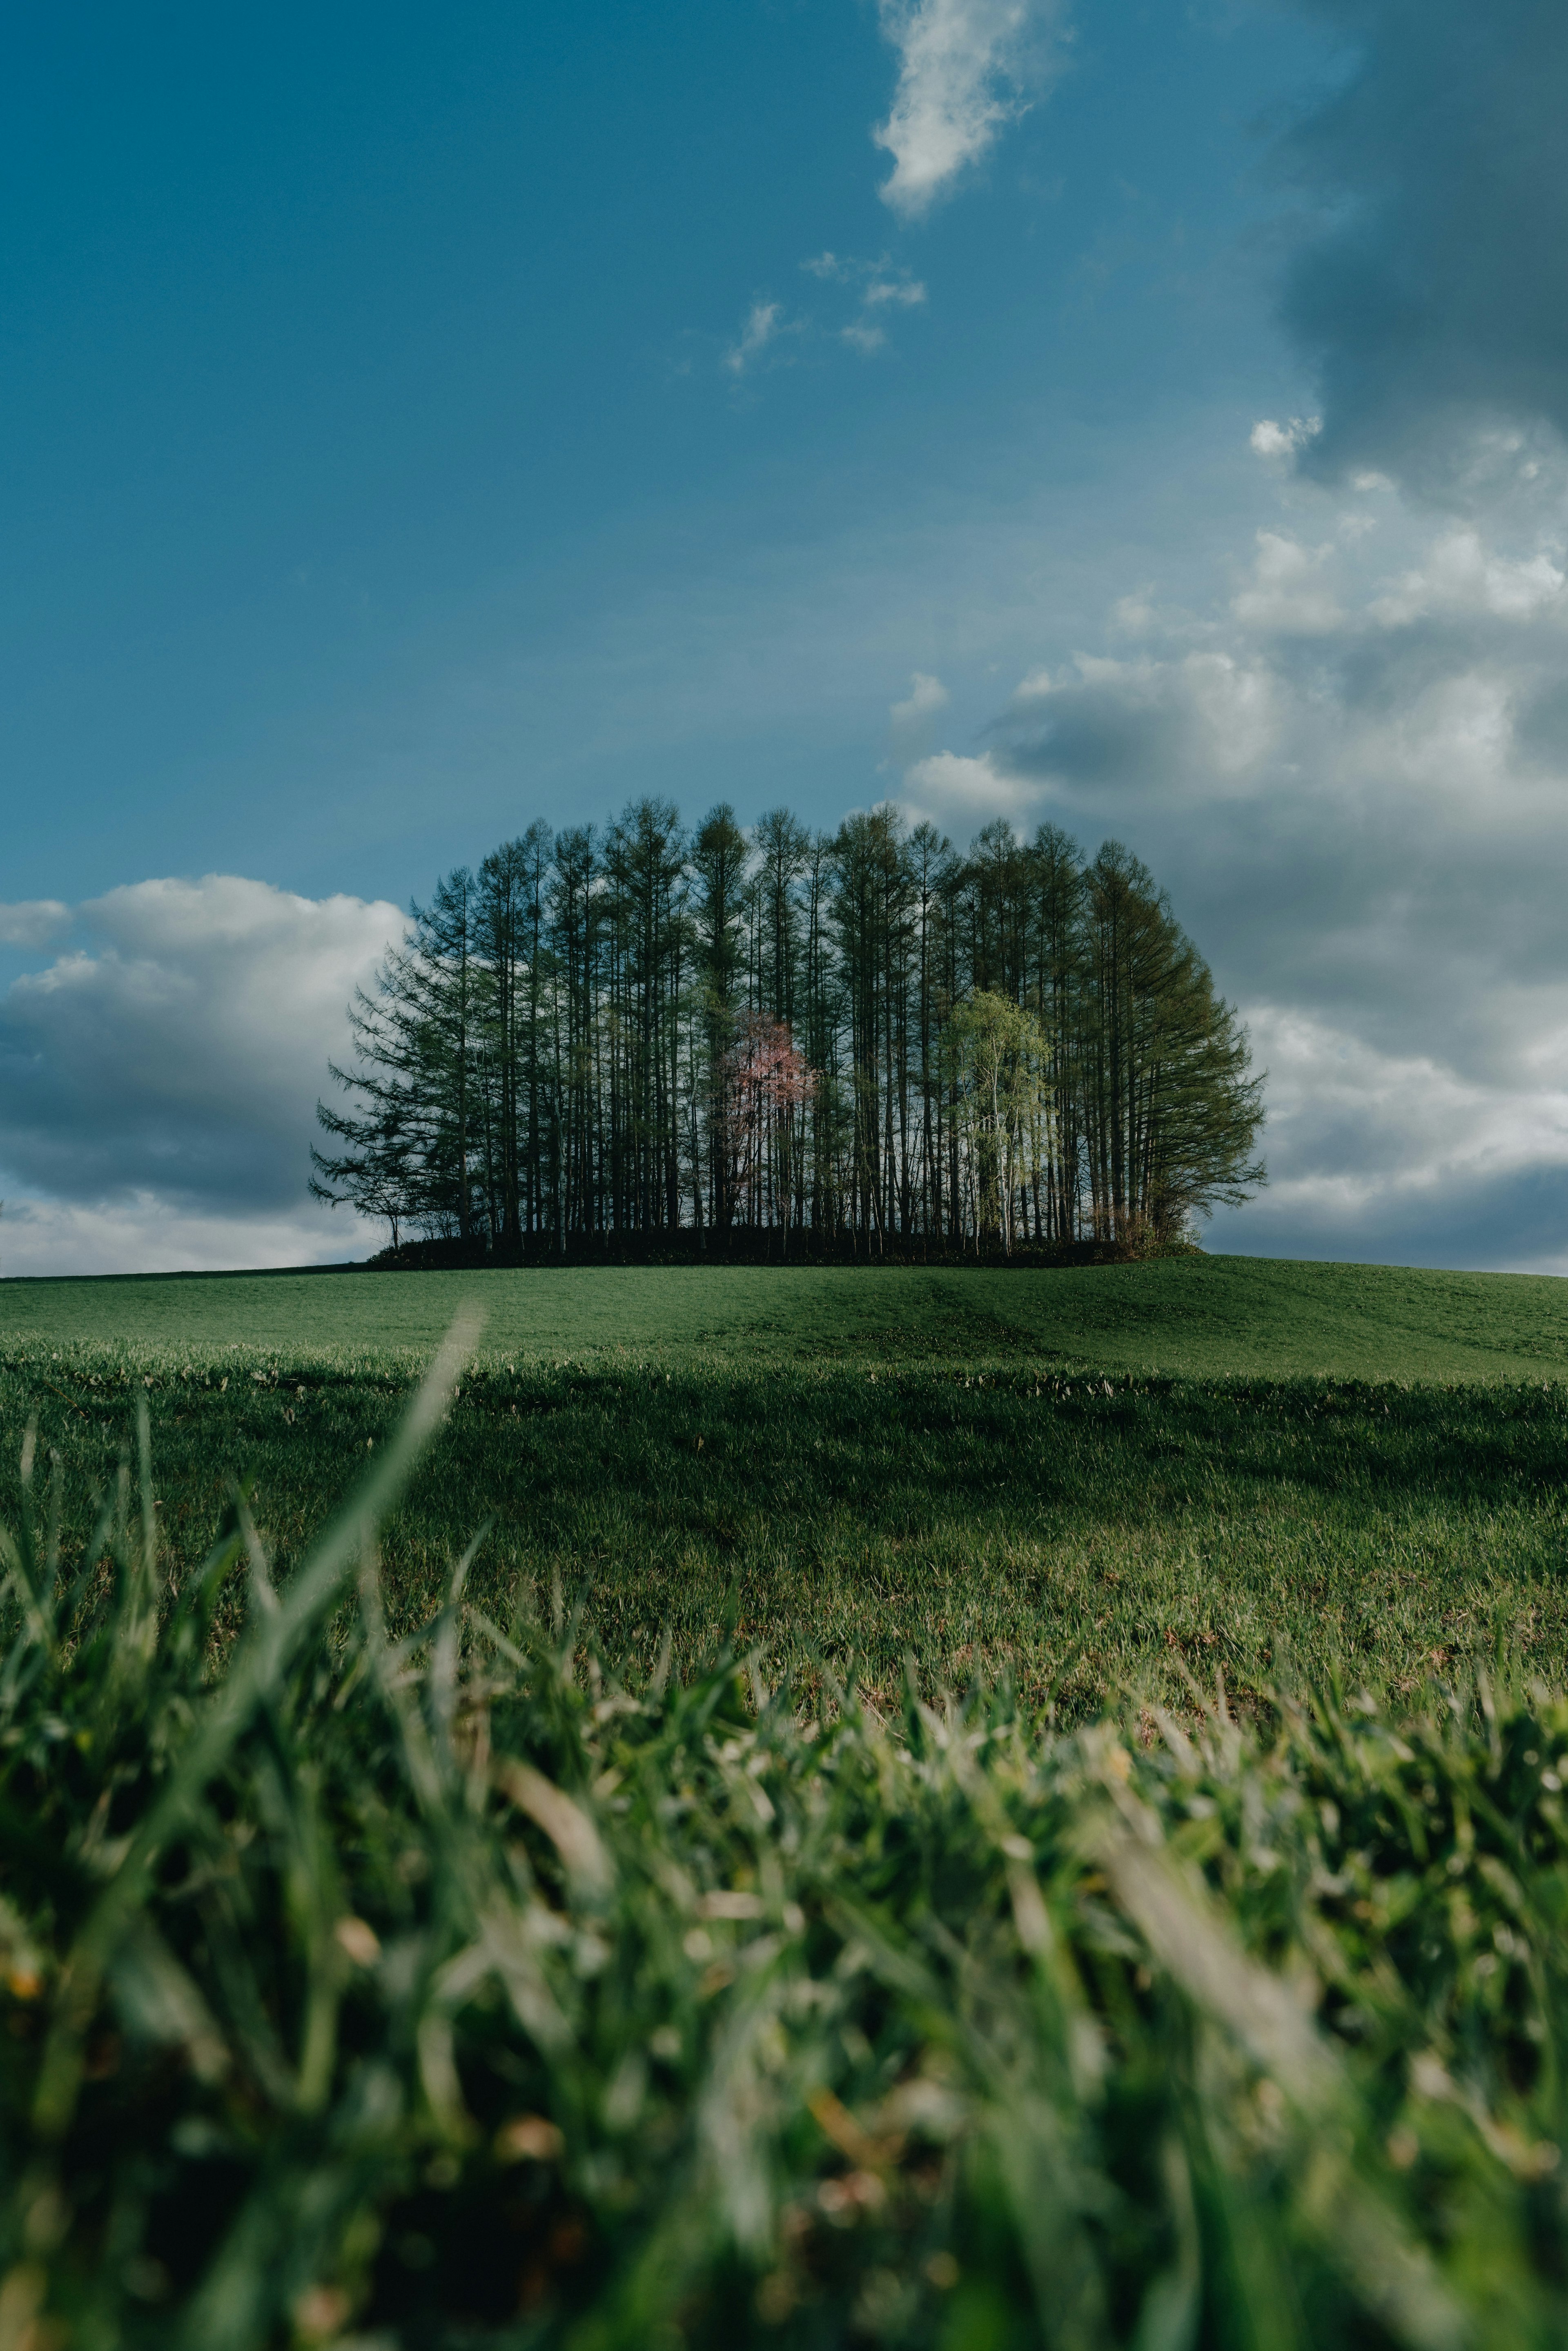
[544, 1056]
[996, 1060]
[445, 1992]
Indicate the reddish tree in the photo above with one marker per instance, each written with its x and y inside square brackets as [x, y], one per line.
[767, 1084]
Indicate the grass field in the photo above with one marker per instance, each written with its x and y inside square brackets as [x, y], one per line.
[448, 1994]
[1181, 1317]
[1096, 1482]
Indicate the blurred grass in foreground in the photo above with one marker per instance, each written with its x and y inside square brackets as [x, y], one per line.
[439, 1991]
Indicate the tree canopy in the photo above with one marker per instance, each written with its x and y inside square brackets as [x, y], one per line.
[861, 1033]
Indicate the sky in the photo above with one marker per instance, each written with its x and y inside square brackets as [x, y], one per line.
[1148, 418]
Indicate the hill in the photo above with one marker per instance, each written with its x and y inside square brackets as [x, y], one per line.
[1205, 1317]
[500, 1932]
[1094, 1480]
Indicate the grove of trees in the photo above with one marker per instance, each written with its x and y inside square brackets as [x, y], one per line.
[859, 1035]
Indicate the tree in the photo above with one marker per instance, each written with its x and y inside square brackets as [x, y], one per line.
[576, 1041]
[719, 858]
[997, 1056]
[376, 1174]
[767, 1087]
[404, 1131]
[1170, 1116]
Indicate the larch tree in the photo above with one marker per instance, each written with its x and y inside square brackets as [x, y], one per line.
[1014, 1044]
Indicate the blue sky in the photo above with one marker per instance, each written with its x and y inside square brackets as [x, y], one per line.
[421, 420]
[381, 468]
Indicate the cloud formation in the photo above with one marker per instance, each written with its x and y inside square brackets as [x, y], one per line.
[32, 922]
[1433, 297]
[1353, 774]
[158, 1079]
[1352, 770]
[1402, 1156]
[966, 67]
[147, 1234]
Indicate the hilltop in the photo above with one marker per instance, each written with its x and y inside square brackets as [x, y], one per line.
[1198, 1317]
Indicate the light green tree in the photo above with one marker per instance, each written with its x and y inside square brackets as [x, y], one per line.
[995, 1057]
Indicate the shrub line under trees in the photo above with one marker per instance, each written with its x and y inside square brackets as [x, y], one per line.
[853, 1037]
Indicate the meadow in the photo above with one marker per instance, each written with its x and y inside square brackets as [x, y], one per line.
[952, 1810]
[1195, 1316]
[1097, 1481]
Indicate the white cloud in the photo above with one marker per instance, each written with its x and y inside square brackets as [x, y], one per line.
[966, 69]
[1201, 726]
[32, 922]
[1271, 439]
[879, 285]
[906, 292]
[764, 325]
[1135, 614]
[169, 1068]
[1459, 576]
[146, 1235]
[881, 282]
[1288, 594]
[1352, 777]
[1360, 1122]
[961, 794]
[1403, 1147]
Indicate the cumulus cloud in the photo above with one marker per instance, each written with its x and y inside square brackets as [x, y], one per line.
[1202, 723]
[1413, 1157]
[1353, 774]
[1288, 592]
[147, 1234]
[1433, 297]
[960, 794]
[966, 69]
[905, 293]
[1272, 439]
[880, 282]
[161, 1076]
[1459, 577]
[32, 922]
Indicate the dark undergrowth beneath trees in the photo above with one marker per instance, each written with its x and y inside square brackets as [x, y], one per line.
[768, 1245]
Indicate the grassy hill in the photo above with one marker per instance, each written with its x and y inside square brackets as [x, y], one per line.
[388, 1952]
[492, 1988]
[1205, 1317]
[1096, 1481]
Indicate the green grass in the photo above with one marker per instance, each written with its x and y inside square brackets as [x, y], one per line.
[1108, 1906]
[449, 1996]
[1200, 1317]
[864, 1467]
